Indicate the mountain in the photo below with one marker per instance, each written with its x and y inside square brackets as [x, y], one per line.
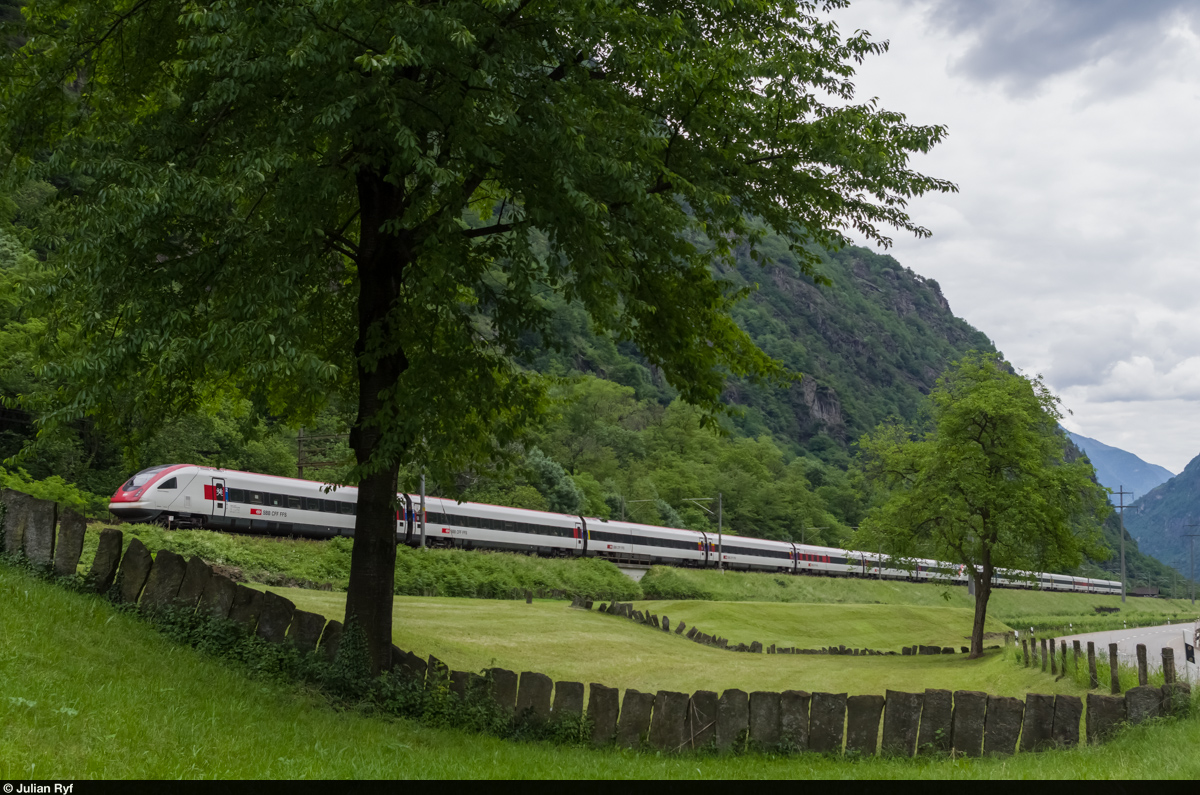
[871, 344]
[1116, 467]
[1161, 518]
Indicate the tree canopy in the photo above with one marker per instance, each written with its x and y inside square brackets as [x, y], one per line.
[365, 198]
[987, 485]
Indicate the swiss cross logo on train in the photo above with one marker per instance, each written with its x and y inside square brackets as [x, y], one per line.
[256, 511]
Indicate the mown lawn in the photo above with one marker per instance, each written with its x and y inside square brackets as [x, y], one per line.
[459, 573]
[88, 692]
[576, 645]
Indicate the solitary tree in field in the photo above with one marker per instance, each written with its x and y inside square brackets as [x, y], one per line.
[297, 197]
[987, 486]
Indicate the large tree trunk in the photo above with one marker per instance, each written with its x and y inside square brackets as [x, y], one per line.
[983, 592]
[381, 261]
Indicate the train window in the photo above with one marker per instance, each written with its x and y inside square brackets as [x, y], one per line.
[170, 484]
[346, 507]
[278, 500]
[236, 495]
[256, 498]
[295, 502]
[143, 477]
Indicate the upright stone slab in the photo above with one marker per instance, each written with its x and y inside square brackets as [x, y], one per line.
[1177, 698]
[1142, 703]
[504, 689]
[901, 723]
[602, 711]
[1105, 714]
[1053, 659]
[39, 533]
[1002, 726]
[166, 575]
[195, 578]
[568, 700]
[1067, 712]
[1025, 650]
[135, 568]
[533, 696]
[425, 673]
[435, 672]
[306, 630]
[702, 719]
[1168, 665]
[666, 624]
[331, 640]
[733, 720]
[1076, 653]
[69, 544]
[862, 724]
[634, 724]
[1094, 679]
[1044, 655]
[1037, 727]
[1063, 660]
[970, 711]
[217, 598]
[247, 606]
[680, 627]
[827, 722]
[764, 719]
[1113, 669]
[275, 618]
[668, 728]
[460, 681]
[793, 719]
[1142, 666]
[16, 519]
[936, 712]
[108, 557]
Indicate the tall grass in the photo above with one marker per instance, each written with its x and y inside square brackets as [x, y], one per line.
[87, 691]
[419, 572]
[1077, 670]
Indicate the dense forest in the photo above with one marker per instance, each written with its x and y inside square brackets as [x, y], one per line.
[867, 340]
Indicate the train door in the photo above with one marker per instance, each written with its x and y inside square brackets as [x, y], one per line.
[580, 540]
[795, 560]
[218, 495]
[706, 548]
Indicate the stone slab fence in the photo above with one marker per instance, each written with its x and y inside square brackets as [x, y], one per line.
[652, 620]
[897, 723]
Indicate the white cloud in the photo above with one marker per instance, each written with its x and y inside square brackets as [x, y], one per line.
[1071, 242]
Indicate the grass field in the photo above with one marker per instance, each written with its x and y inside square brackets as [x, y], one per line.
[88, 692]
[576, 645]
[458, 573]
[1018, 608]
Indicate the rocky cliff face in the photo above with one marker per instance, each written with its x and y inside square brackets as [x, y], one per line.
[870, 345]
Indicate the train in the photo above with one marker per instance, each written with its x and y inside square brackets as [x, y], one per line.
[191, 496]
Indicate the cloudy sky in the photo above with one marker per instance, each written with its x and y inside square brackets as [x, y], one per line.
[1075, 143]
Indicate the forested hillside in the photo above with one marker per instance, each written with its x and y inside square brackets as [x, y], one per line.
[1165, 517]
[867, 345]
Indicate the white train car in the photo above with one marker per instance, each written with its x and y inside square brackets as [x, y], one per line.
[647, 544]
[469, 525]
[184, 495]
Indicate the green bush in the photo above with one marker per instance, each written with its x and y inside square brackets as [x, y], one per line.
[57, 490]
[419, 572]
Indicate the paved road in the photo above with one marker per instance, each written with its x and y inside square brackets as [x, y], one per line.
[1155, 639]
